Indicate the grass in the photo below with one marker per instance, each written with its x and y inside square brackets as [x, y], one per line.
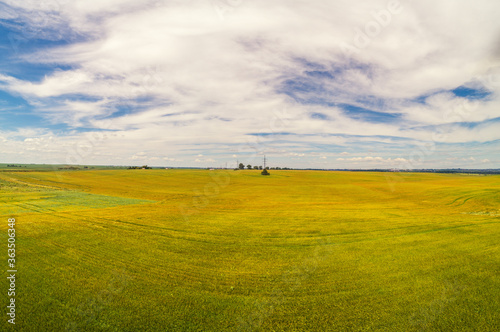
[198, 250]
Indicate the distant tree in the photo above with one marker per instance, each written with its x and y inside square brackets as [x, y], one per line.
[249, 166]
[256, 167]
[260, 167]
[241, 166]
[267, 167]
[265, 172]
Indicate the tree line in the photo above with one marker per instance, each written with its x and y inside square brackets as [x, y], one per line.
[242, 166]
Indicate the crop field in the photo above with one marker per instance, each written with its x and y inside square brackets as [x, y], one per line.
[200, 250]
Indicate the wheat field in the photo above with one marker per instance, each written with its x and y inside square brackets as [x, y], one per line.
[224, 250]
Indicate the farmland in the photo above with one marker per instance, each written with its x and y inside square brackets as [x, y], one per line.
[199, 250]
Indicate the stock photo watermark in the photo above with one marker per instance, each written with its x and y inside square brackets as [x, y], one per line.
[201, 197]
[423, 319]
[291, 280]
[224, 8]
[88, 311]
[86, 146]
[363, 37]
[254, 146]
[451, 117]
[40, 19]
[11, 270]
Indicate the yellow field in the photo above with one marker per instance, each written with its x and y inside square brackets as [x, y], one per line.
[199, 250]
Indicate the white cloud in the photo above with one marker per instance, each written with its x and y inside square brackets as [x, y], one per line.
[194, 73]
[370, 161]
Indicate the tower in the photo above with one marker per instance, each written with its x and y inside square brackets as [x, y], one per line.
[264, 171]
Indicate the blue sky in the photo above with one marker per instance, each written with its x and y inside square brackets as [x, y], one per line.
[313, 84]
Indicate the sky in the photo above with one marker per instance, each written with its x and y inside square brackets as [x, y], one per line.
[209, 83]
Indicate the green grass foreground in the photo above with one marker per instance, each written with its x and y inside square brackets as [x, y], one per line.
[199, 250]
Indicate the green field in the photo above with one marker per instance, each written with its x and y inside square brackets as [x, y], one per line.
[199, 250]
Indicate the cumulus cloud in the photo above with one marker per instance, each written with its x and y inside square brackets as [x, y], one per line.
[244, 78]
[374, 162]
